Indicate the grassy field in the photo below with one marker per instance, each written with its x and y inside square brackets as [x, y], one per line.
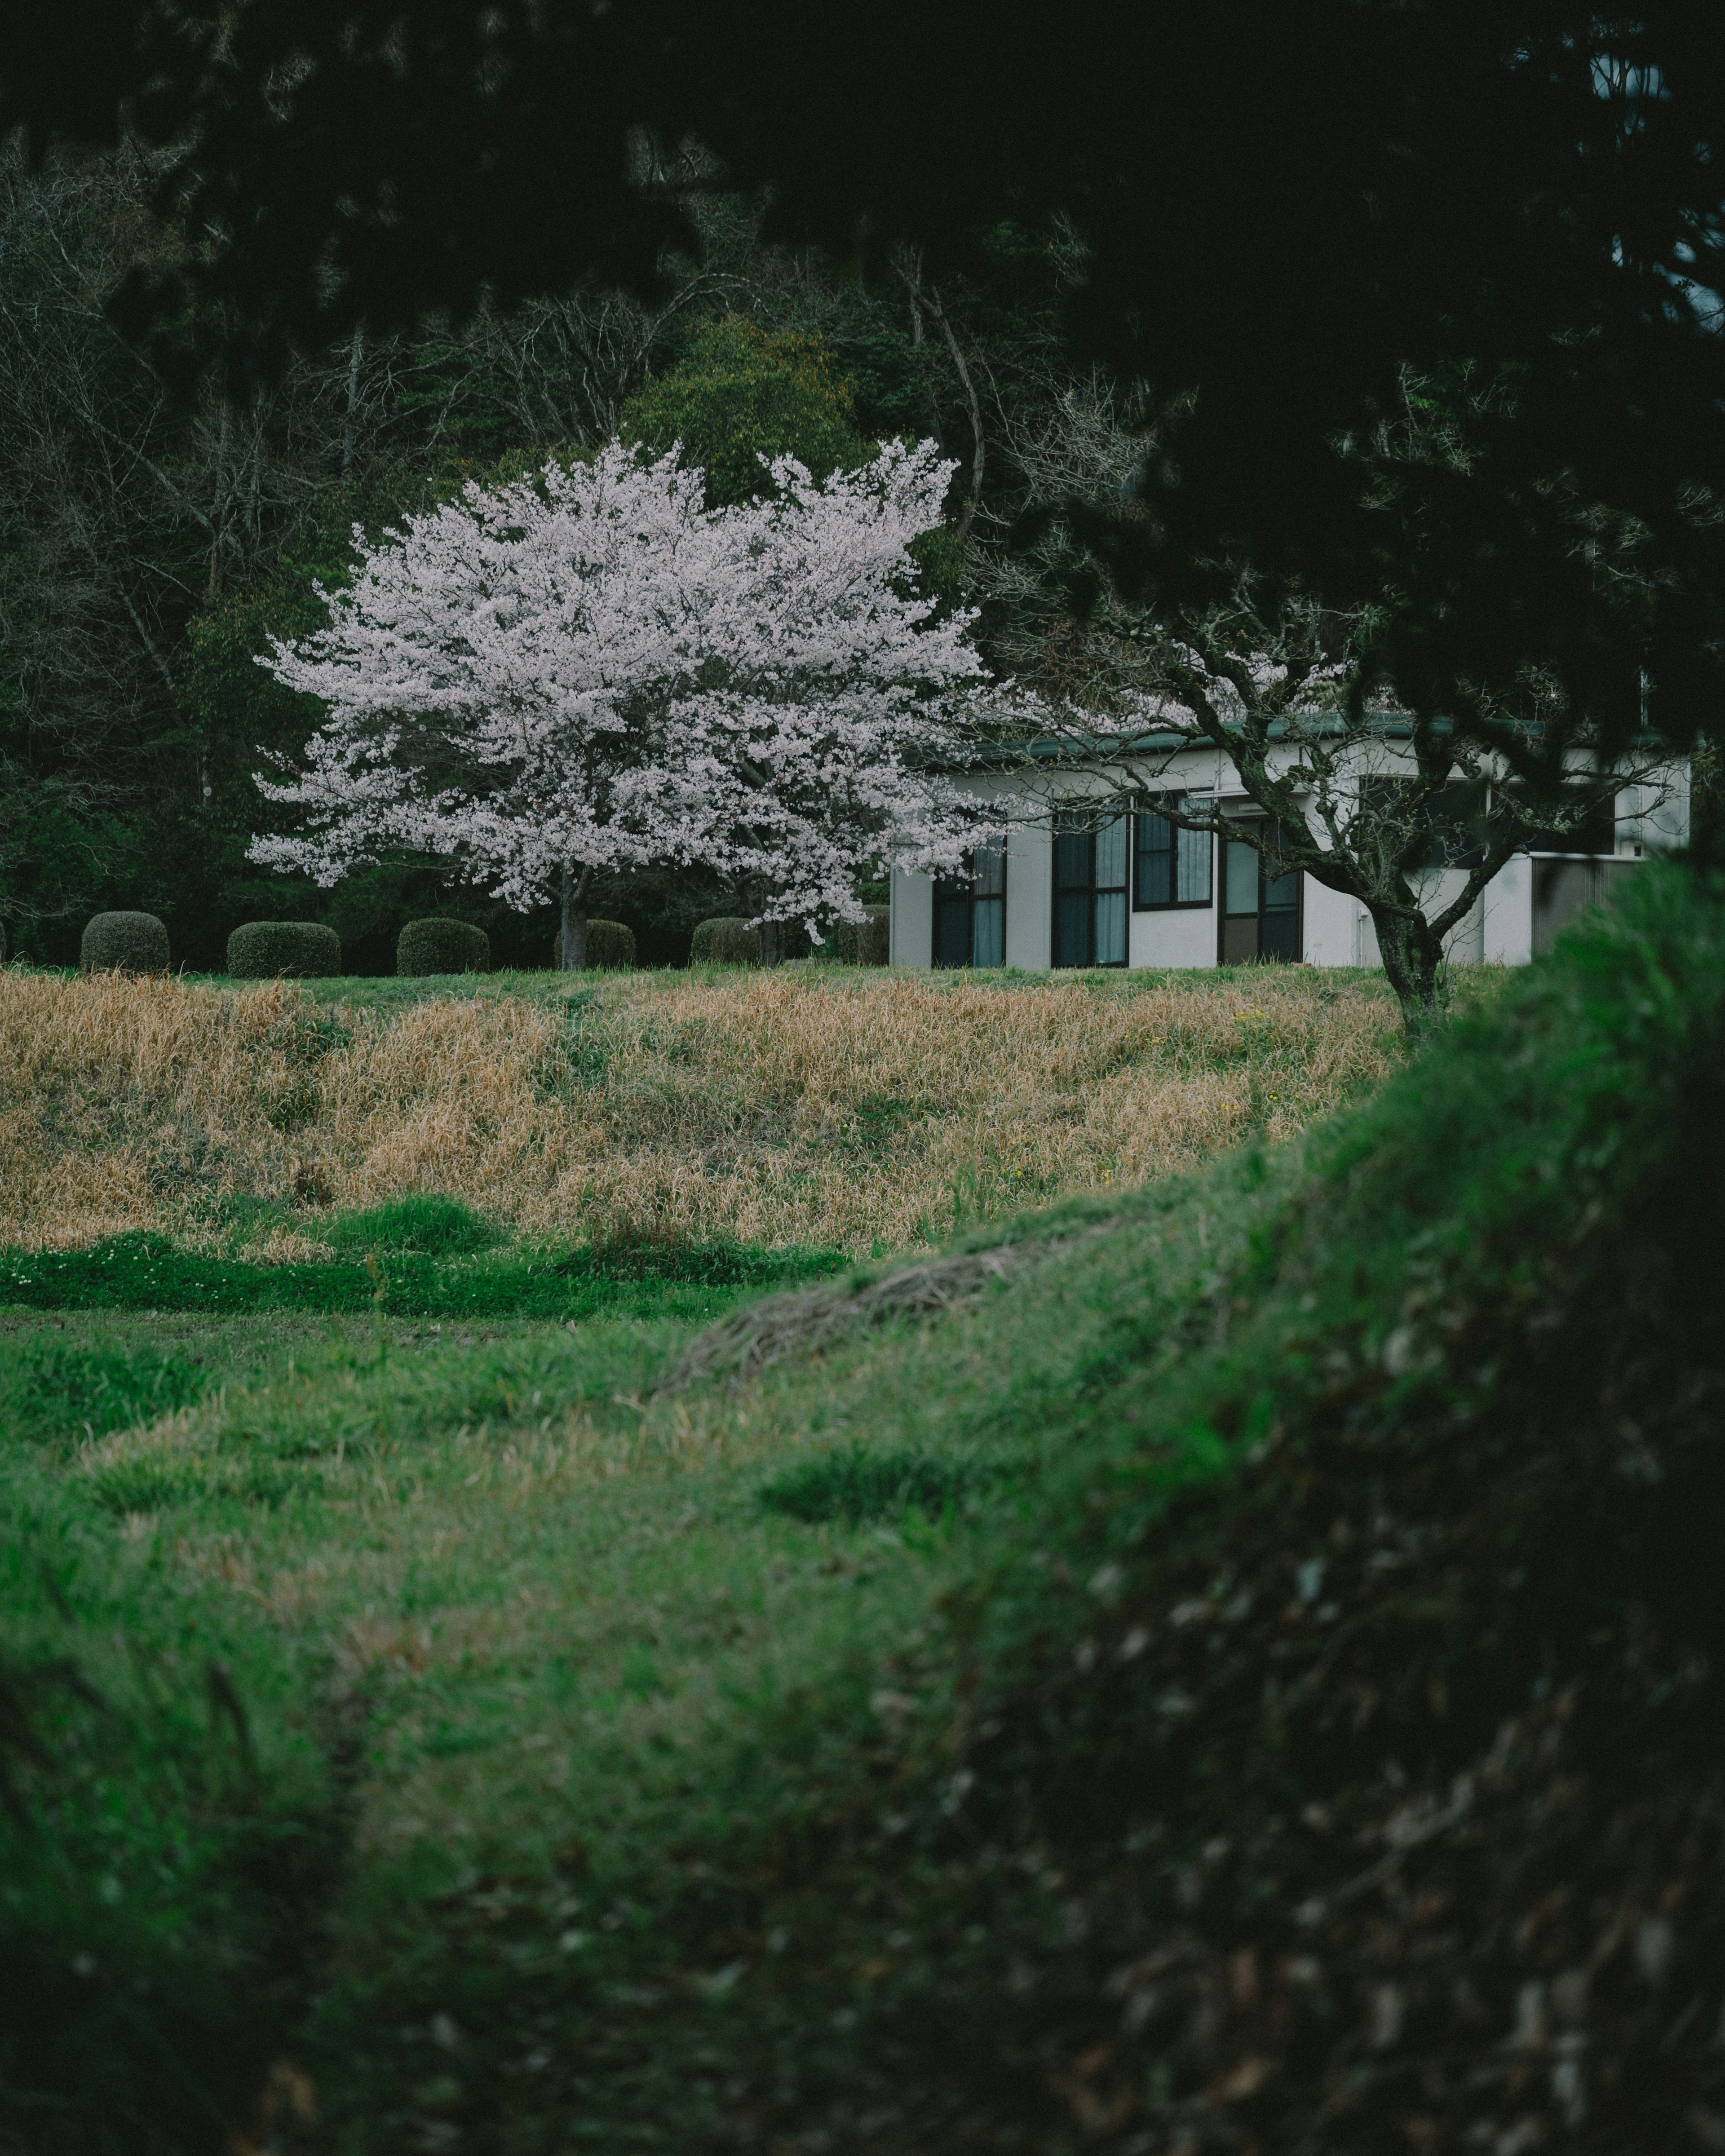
[812, 1722]
[823, 1107]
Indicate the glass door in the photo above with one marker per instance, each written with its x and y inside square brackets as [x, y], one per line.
[1261, 915]
[1090, 900]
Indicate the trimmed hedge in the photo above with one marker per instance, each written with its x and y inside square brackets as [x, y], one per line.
[610, 945]
[287, 950]
[442, 946]
[867, 942]
[727, 940]
[132, 943]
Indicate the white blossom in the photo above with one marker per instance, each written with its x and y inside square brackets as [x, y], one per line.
[587, 669]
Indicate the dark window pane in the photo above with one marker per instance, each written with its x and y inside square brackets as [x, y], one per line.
[1456, 815]
[1072, 929]
[1156, 854]
[1595, 832]
[1240, 940]
[990, 870]
[1279, 935]
[1281, 893]
[1071, 859]
[988, 932]
[951, 924]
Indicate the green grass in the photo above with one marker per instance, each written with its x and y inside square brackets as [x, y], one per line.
[942, 1741]
[411, 1267]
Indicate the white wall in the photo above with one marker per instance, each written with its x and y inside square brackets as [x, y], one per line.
[1029, 898]
[1329, 936]
[911, 942]
[1178, 937]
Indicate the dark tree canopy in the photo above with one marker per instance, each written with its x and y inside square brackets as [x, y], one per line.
[1294, 212]
[739, 395]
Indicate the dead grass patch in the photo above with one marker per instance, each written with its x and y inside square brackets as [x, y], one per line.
[855, 1111]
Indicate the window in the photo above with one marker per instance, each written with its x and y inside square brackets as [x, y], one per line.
[1448, 833]
[1172, 867]
[1260, 911]
[970, 911]
[1090, 889]
[1593, 831]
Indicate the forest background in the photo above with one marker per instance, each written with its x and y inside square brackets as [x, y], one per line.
[151, 547]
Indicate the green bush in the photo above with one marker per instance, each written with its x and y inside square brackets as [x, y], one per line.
[287, 950]
[442, 946]
[131, 943]
[422, 1220]
[726, 941]
[2, 943]
[610, 947]
[867, 942]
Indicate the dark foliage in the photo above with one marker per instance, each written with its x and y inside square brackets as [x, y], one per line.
[289, 950]
[134, 942]
[439, 946]
[1519, 206]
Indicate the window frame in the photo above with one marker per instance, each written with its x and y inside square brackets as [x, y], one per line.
[1141, 904]
[969, 901]
[1092, 889]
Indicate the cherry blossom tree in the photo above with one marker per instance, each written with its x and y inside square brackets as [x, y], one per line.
[587, 670]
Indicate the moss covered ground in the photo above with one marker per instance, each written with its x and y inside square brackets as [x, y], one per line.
[1233, 1664]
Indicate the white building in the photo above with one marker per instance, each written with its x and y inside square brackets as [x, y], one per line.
[1134, 891]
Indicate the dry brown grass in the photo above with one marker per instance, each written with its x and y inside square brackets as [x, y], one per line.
[851, 1110]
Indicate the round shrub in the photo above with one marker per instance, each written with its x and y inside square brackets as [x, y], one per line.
[867, 942]
[134, 942]
[442, 946]
[285, 950]
[726, 941]
[609, 944]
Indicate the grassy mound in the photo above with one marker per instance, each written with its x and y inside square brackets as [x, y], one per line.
[1246, 1674]
[1330, 1754]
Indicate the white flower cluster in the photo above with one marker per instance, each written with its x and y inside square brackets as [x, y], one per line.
[588, 669]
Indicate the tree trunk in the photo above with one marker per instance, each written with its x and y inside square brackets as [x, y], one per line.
[574, 936]
[771, 943]
[1413, 961]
